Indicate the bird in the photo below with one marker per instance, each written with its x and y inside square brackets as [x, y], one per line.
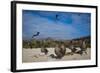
[72, 48]
[44, 50]
[56, 16]
[35, 34]
[52, 56]
[83, 47]
[60, 51]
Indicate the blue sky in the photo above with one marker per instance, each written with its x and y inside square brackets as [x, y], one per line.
[56, 25]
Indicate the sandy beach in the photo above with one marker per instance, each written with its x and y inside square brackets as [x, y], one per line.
[35, 55]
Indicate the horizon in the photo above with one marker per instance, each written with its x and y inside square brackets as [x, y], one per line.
[56, 39]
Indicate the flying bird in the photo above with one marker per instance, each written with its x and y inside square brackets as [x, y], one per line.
[56, 16]
[35, 34]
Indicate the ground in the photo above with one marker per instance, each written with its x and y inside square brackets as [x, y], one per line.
[35, 55]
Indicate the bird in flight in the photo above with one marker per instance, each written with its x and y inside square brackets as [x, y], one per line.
[56, 16]
[35, 34]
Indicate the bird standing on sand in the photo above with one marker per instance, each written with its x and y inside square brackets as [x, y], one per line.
[44, 50]
[60, 51]
[83, 47]
[72, 48]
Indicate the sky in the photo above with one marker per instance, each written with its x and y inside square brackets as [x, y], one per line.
[55, 25]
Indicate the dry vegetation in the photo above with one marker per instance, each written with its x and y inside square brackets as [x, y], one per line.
[49, 42]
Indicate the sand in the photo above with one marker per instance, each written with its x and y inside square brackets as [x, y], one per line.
[35, 55]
